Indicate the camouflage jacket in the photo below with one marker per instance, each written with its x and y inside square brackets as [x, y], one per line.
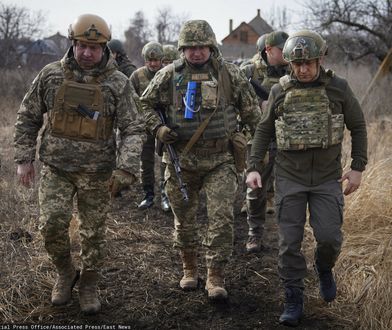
[160, 93]
[313, 166]
[125, 65]
[139, 81]
[75, 155]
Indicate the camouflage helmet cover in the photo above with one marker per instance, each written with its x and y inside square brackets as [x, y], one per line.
[276, 39]
[170, 53]
[152, 51]
[116, 46]
[304, 45]
[196, 33]
[89, 28]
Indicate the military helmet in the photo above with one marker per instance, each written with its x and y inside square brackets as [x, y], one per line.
[260, 43]
[116, 46]
[197, 33]
[89, 28]
[304, 45]
[152, 51]
[170, 53]
[276, 39]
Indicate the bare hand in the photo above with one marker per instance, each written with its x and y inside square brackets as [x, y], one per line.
[253, 180]
[26, 174]
[354, 181]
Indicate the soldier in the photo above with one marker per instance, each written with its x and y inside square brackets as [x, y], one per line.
[265, 72]
[152, 53]
[308, 111]
[125, 65]
[170, 53]
[220, 92]
[84, 95]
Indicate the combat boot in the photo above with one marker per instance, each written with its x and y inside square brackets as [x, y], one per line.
[66, 279]
[293, 307]
[327, 284]
[148, 201]
[189, 264]
[215, 284]
[165, 204]
[88, 295]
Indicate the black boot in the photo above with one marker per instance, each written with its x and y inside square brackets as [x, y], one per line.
[293, 307]
[327, 284]
[148, 200]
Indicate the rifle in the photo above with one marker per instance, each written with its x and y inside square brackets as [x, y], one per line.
[174, 159]
[261, 91]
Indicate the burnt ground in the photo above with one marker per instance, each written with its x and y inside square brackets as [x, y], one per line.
[140, 288]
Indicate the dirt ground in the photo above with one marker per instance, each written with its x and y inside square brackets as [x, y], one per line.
[139, 286]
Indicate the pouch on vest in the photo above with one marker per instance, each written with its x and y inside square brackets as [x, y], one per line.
[66, 122]
[209, 94]
[238, 144]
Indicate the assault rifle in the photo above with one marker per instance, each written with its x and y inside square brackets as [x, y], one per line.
[261, 91]
[174, 159]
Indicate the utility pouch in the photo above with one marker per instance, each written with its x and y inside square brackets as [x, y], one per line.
[209, 94]
[238, 143]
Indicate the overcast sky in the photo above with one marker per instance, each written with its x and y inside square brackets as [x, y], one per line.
[117, 13]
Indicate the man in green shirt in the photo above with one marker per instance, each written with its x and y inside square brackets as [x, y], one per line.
[307, 112]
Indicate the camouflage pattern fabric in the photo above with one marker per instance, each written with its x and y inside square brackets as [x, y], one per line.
[73, 155]
[208, 164]
[56, 195]
[217, 176]
[140, 79]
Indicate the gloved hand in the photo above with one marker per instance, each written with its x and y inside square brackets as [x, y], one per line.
[120, 180]
[166, 135]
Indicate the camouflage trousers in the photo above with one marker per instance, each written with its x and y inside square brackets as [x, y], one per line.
[56, 199]
[216, 175]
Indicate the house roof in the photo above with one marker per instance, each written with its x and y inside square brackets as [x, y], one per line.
[260, 25]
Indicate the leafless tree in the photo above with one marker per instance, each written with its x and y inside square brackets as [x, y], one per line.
[167, 25]
[356, 27]
[137, 35]
[17, 24]
[278, 18]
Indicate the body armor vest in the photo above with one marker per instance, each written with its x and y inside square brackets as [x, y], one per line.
[222, 123]
[305, 119]
[65, 121]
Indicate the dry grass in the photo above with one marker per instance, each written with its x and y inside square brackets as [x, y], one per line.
[363, 270]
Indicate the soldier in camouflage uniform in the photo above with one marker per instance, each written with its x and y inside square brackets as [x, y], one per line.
[152, 53]
[307, 111]
[170, 53]
[84, 97]
[266, 72]
[125, 65]
[221, 93]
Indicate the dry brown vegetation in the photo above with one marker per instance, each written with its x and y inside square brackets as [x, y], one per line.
[140, 280]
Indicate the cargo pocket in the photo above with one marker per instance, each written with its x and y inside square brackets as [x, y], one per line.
[209, 92]
[88, 128]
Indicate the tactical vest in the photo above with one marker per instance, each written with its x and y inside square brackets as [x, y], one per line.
[222, 123]
[66, 122]
[305, 119]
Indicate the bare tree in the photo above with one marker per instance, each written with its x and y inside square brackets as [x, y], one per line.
[17, 24]
[137, 35]
[278, 18]
[357, 27]
[167, 25]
